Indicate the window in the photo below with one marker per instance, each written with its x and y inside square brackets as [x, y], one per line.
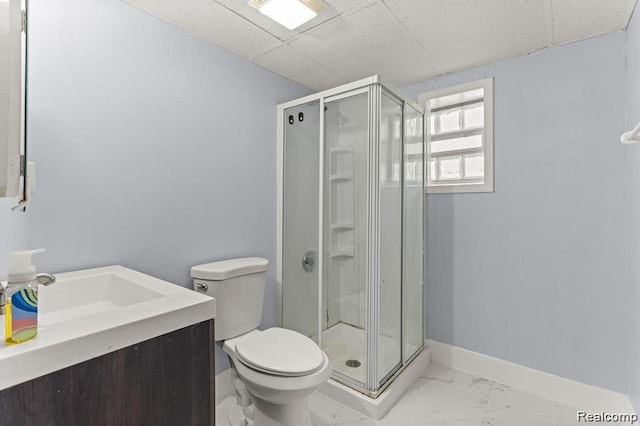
[460, 138]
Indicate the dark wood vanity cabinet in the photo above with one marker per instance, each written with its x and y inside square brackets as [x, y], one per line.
[167, 380]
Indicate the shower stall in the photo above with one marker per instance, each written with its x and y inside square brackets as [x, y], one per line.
[351, 228]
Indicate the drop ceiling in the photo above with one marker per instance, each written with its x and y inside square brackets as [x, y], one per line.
[404, 41]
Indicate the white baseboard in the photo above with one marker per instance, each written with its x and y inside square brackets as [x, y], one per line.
[568, 392]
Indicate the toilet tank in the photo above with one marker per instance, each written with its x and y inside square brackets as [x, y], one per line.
[238, 286]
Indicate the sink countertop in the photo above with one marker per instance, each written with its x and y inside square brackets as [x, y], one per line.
[92, 312]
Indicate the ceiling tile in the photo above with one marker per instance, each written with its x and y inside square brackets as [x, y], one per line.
[578, 19]
[211, 21]
[404, 41]
[344, 6]
[460, 34]
[366, 42]
[295, 65]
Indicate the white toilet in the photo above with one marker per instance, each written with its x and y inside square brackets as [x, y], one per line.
[273, 370]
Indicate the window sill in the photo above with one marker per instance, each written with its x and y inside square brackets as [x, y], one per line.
[459, 189]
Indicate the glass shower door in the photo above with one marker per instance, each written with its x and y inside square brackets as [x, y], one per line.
[389, 333]
[413, 233]
[344, 308]
[300, 285]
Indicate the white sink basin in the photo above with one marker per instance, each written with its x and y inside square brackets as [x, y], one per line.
[92, 312]
[89, 295]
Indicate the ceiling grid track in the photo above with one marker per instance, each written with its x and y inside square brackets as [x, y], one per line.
[424, 49]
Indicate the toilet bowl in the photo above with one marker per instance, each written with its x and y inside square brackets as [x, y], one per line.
[273, 371]
[279, 376]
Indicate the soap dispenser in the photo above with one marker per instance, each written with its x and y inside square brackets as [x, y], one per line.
[21, 316]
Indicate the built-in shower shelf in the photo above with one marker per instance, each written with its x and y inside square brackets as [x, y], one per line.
[342, 253]
[341, 178]
[341, 226]
[351, 127]
[341, 150]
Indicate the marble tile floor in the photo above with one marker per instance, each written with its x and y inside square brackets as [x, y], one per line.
[443, 397]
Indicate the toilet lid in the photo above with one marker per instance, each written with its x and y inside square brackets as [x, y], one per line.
[280, 352]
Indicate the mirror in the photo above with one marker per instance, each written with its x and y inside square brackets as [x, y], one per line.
[12, 96]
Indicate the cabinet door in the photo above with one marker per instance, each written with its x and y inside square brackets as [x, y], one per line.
[164, 381]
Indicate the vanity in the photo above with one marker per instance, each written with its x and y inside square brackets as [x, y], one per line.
[114, 347]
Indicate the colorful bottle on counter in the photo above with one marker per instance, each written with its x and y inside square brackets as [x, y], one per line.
[21, 306]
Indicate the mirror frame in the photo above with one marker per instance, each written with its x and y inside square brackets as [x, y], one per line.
[13, 46]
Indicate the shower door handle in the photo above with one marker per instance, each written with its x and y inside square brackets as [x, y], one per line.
[308, 261]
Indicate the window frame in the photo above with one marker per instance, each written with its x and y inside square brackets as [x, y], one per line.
[457, 186]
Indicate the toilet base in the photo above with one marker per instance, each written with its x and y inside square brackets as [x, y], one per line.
[295, 413]
[254, 411]
[273, 400]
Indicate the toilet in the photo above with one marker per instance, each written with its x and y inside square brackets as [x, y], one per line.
[274, 370]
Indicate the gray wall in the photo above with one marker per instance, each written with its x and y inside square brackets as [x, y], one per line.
[533, 272]
[155, 150]
[633, 209]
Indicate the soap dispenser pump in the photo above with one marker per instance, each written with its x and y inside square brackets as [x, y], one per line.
[21, 316]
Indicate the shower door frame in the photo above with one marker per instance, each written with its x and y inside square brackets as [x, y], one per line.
[374, 87]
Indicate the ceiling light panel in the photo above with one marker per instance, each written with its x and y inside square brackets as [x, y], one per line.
[289, 13]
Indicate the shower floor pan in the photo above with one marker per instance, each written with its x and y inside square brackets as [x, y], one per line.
[343, 343]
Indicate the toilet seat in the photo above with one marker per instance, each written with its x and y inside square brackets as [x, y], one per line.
[280, 352]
